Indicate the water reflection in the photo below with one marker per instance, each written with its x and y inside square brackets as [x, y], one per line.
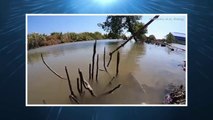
[132, 56]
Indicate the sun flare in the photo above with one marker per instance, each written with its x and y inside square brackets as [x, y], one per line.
[105, 2]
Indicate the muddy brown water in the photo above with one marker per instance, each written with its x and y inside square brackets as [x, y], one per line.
[144, 73]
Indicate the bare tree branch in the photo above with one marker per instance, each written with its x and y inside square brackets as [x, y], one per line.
[51, 69]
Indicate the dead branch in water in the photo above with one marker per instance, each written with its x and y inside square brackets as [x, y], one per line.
[111, 91]
[51, 69]
[89, 88]
[85, 83]
[104, 59]
[78, 86]
[89, 71]
[110, 58]
[101, 69]
[135, 34]
[118, 61]
[97, 68]
[74, 99]
[113, 78]
[81, 80]
[69, 83]
[93, 58]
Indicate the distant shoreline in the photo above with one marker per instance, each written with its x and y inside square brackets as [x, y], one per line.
[73, 42]
[36, 40]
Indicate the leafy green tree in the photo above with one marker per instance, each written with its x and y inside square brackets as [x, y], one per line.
[170, 38]
[65, 38]
[152, 38]
[133, 25]
[143, 37]
[116, 25]
[57, 35]
[105, 36]
[98, 36]
[36, 40]
[113, 25]
[123, 36]
[73, 36]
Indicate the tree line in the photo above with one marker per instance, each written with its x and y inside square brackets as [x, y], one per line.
[169, 38]
[36, 40]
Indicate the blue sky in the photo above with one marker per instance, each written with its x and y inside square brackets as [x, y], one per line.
[48, 24]
[165, 24]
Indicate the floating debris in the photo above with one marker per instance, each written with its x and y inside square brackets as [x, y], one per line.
[111, 91]
[175, 95]
[183, 65]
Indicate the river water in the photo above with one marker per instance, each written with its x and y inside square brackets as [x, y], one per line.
[145, 71]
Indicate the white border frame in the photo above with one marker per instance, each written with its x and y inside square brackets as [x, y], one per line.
[106, 105]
